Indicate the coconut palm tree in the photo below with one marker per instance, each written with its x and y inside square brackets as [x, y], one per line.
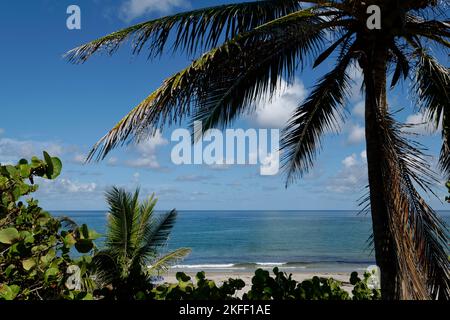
[249, 47]
[133, 241]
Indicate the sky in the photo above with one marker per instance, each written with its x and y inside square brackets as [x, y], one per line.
[49, 104]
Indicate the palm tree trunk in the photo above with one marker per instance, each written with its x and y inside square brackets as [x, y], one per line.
[374, 67]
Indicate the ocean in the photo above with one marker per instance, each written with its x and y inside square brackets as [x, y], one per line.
[239, 241]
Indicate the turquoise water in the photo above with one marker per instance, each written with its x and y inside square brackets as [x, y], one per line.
[245, 240]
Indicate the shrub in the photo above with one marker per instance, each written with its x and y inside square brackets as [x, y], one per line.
[283, 287]
[265, 287]
[35, 247]
[361, 289]
[204, 289]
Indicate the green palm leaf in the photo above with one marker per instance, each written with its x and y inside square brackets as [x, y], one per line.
[122, 215]
[196, 29]
[160, 229]
[199, 86]
[433, 90]
[254, 71]
[319, 113]
[134, 237]
[163, 263]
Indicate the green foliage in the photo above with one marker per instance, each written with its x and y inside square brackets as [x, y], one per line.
[203, 289]
[35, 246]
[361, 290]
[134, 239]
[283, 287]
[13, 183]
[264, 287]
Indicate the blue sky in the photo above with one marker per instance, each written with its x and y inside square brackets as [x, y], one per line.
[49, 104]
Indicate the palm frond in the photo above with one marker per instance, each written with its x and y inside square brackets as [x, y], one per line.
[319, 113]
[154, 238]
[432, 29]
[267, 52]
[106, 267]
[432, 85]
[198, 29]
[161, 228]
[255, 71]
[122, 217]
[444, 157]
[143, 220]
[163, 263]
[402, 65]
[419, 235]
[324, 55]
[133, 240]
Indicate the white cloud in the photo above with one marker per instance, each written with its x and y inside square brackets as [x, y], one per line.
[79, 158]
[364, 155]
[192, 178]
[276, 113]
[133, 9]
[149, 161]
[220, 165]
[357, 134]
[112, 161]
[62, 186]
[147, 152]
[198, 194]
[136, 178]
[352, 177]
[355, 74]
[418, 124]
[2, 131]
[11, 150]
[350, 161]
[360, 109]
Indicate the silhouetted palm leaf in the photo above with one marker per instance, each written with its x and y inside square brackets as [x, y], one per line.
[433, 90]
[258, 58]
[420, 236]
[321, 111]
[196, 29]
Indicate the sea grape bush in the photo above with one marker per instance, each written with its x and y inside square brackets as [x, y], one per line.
[204, 289]
[283, 287]
[35, 247]
[361, 289]
[265, 287]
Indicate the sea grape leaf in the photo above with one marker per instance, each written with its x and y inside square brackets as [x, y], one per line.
[9, 235]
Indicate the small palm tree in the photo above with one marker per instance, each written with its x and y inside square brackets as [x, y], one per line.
[250, 46]
[133, 241]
